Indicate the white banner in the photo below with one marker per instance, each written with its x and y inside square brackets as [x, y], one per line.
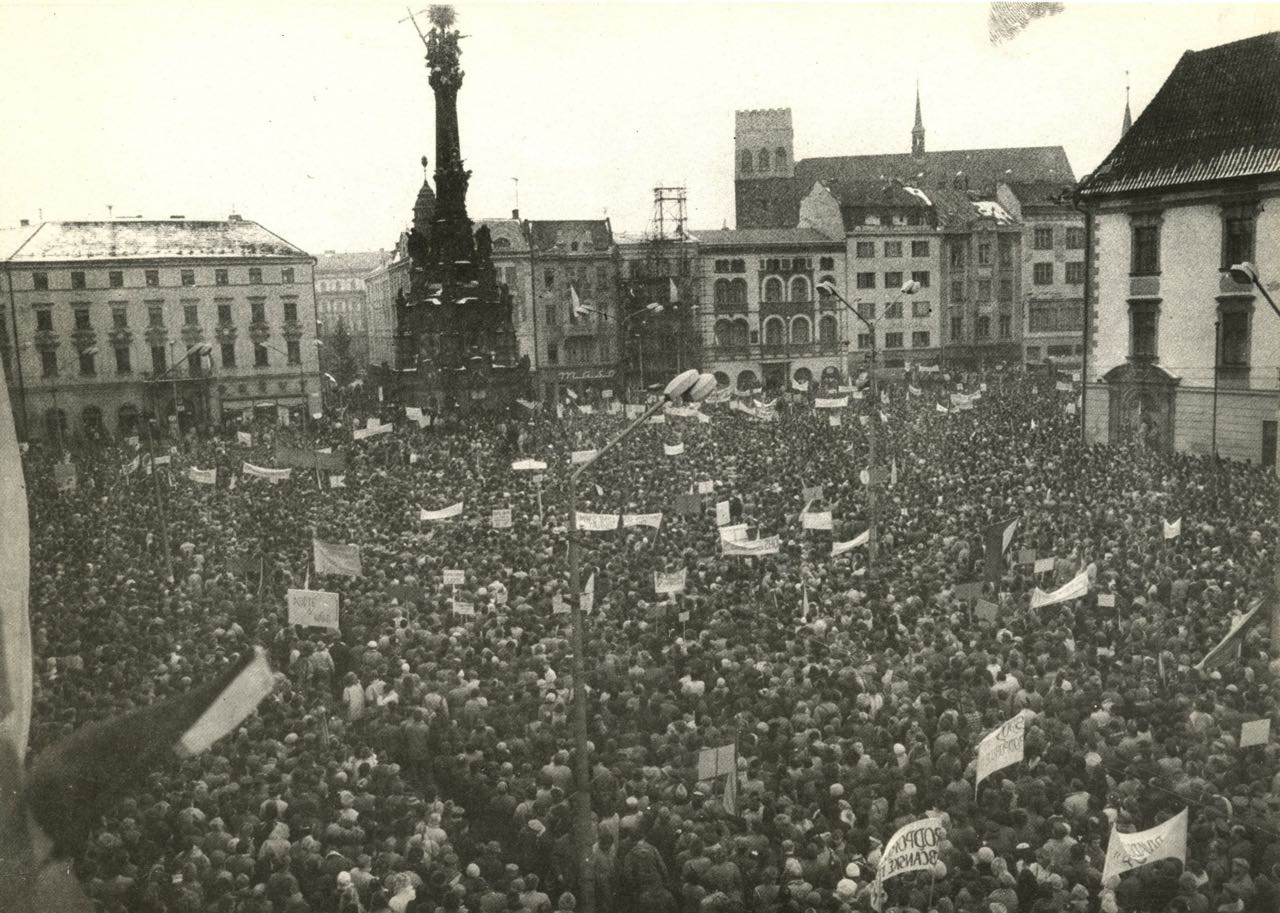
[669, 583]
[582, 456]
[681, 411]
[313, 608]
[1044, 565]
[245, 438]
[203, 476]
[840, 402]
[912, 848]
[444, 513]
[361, 433]
[673, 449]
[735, 533]
[271, 475]
[706, 487]
[840, 548]
[768, 546]
[337, 481]
[596, 523]
[1129, 851]
[455, 577]
[722, 513]
[717, 762]
[654, 520]
[1003, 746]
[1173, 530]
[1074, 588]
[816, 520]
[529, 466]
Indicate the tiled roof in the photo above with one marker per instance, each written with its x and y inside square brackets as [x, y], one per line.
[1216, 117]
[760, 237]
[13, 238]
[556, 235]
[878, 193]
[138, 240]
[359, 262]
[510, 231]
[983, 167]
[1042, 194]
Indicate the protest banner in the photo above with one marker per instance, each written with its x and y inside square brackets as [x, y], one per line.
[501, 519]
[273, 476]
[1002, 746]
[817, 520]
[673, 449]
[332, 558]
[1044, 566]
[840, 548]
[313, 608]
[578, 457]
[203, 476]
[455, 577]
[595, 523]
[751, 547]
[831, 402]
[913, 847]
[722, 513]
[734, 533]
[1027, 556]
[1129, 851]
[811, 493]
[244, 438]
[669, 582]
[1074, 588]
[444, 513]
[986, 612]
[653, 520]
[529, 466]
[706, 487]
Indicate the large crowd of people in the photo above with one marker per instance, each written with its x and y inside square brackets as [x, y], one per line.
[421, 759]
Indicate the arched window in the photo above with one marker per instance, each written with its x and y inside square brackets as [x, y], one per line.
[724, 333]
[773, 290]
[745, 160]
[741, 332]
[763, 159]
[831, 376]
[55, 424]
[722, 379]
[747, 381]
[799, 288]
[738, 292]
[800, 331]
[827, 330]
[127, 419]
[722, 292]
[91, 420]
[802, 377]
[780, 157]
[774, 332]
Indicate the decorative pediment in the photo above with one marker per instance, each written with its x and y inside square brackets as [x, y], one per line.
[1140, 372]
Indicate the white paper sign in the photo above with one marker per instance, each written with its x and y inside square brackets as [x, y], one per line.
[501, 519]
[1255, 732]
[1003, 746]
[313, 608]
[444, 513]
[722, 513]
[455, 577]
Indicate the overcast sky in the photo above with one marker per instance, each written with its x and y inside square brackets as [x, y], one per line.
[311, 117]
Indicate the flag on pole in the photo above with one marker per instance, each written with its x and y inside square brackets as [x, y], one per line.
[913, 847]
[1003, 746]
[997, 539]
[332, 558]
[1229, 646]
[1129, 851]
[1173, 530]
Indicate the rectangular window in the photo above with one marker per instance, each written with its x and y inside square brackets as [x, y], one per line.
[293, 351]
[982, 327]
[124, 363]
[1145, 259]
[1075, 238]
[865, 249]
[984, 290]
[261, 357]
[866, 280]
[920, 339]
[602, 276]
[867, 309]
[550, 314]
[1142, 329]
[1006, 291]
[919, 248]
[224, 314]
[893, 340]
[257, 311]
[77, 279]
[1075, 273]
[722, 266]
[864, 340]
[286, 275]
[1042, 239]
[255, 275]
[1042, 273]
[89, 363]
[48, 363]
[1268, 444]
[155, 315]
[893, 310]
[190, 315]
[115, 278]
[984, 253]
[553, 353]
[548, 278]
[1006, 251]
[44, 320]
[188, 277]
[826, 263]
[290, 311]
[893, 248]
[1006, 326]
[228, 355]
[221, 277]
[920, 308]
[158, 359]
[40, 282]
[893, 280]
[1237, 234]
[955, 254]
[153, 278]
[957, 290]
[82, 319]
[921, 276]
[957, 328]
[120, 318]
[1233, 329]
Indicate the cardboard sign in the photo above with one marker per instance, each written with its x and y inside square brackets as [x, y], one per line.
[313, 608]
[688, 504]
[501, 519]
[968, 591]
[706, 487]
[1255, 732]
[986, 611]
[455, 578]
[1107, 600]
[64, 476]
[1044, 565]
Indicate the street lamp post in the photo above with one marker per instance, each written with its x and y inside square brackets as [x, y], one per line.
[690, 386]
[199, 350]
[1247, 274]
[873, 480]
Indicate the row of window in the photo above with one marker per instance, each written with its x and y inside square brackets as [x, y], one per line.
[579, 350]
[893, 310]
[760, 161]
[1238, 227]
[1073, 273]
[82, 315]
[866, 249]
[793, 264]
[151, 278]
[731, 266]
[88, 359]
[919, 340]
[958, 252]
[892, 279]
[1234, 332]
[579, 277]
[777, 332]
[1042, 238]
[982, 327]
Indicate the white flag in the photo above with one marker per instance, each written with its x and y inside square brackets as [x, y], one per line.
[236, 701]
[1173, 530]
[1003, 746]
[1129, 851]
[444, 513]
[1074, 588]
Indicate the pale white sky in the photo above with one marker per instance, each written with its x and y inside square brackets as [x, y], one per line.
[311, 117]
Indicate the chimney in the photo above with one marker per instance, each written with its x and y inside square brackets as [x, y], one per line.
[234, 217]
[515, 214]
[24, 223]
[177, 217]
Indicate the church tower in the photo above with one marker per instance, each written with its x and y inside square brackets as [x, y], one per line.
[764, 164]
[917, 132]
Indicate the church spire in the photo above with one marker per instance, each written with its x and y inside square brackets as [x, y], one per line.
[917, 132]
[1128, 118]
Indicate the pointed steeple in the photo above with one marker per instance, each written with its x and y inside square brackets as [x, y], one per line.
[1128, 118]
[917, 132]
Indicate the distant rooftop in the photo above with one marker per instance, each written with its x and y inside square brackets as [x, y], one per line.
[762, 237]
[350, 261]
[137, 239]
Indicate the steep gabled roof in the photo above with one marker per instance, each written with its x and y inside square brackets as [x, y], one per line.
[982, 167]
[555, 235]
[507, 234]
[1216, 117]
[150, 240]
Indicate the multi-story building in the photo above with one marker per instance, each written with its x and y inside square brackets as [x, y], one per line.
[184, 320]
[764, 323]
[1181, 354]
[341, 297]
[512, 257]
[384, 285]
[891, 237]
[1052, 305]
[660, 329]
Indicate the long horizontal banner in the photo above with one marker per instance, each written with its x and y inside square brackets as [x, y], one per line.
[751, 547]
[444, 513]
[271, 475]
[307, 459]
[1074, 588]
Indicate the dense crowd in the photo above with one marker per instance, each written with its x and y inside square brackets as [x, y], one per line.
[420, 760]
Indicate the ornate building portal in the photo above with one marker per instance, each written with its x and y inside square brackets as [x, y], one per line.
[1141, 398]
